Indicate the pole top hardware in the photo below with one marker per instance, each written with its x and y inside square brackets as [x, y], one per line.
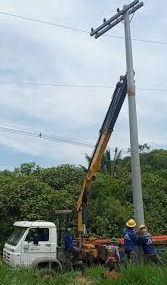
[114, 20]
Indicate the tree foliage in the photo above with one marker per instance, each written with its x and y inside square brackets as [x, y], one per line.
[31, 192]
[109, 165]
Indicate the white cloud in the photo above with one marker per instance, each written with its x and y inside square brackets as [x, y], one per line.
[40, 53]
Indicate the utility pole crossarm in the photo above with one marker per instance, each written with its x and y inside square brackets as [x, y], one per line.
[116, 19]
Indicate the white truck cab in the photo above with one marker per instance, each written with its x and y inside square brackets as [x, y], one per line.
[32, 244]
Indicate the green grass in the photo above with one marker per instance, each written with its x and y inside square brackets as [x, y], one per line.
[142, 275]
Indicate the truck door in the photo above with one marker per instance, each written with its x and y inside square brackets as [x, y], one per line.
[36, 245]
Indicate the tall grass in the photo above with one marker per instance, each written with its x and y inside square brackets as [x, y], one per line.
[143, 275]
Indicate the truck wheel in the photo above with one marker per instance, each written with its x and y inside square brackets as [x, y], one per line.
[112, 266]
[79, 265]
[56, 266]
[49, 268]
[90, 259]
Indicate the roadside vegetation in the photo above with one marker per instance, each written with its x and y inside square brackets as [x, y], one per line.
[32, 193]
[146, 275]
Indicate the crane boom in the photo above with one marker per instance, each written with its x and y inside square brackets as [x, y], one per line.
[95, 163]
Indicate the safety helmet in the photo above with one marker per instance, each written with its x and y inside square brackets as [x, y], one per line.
[131, 223]
[113, 240]
[142, 227]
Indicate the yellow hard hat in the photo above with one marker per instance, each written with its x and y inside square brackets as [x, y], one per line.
[142, 227]
[131, 223]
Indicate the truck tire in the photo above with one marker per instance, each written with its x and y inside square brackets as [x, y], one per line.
[113, 266]
[89, 259]
[50, 267]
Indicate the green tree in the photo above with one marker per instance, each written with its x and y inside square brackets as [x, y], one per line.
[108, 209]
[61, 176]
[109, 166]
[155, 202]
[144, 148]
[27, 169]
[24, 198]
[31, 192]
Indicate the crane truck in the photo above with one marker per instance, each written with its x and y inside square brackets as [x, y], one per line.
[23, 248]
[38, 243]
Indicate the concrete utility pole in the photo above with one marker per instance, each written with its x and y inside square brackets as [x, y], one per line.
[124, 15]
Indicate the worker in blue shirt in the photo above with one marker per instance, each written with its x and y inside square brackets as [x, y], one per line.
[68, 240]
[130, 242]
[70, 247]
[145, 240]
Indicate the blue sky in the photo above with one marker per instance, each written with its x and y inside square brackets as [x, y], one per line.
[32, 52]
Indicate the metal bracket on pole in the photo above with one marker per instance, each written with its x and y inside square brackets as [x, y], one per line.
[124, 14]
[113, 21]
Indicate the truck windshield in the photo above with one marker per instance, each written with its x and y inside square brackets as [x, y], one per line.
[16, 235]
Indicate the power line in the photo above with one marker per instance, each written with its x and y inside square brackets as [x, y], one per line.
[44, 136]
[53, 138]
[76, 29]
[43, 22]
[56, 85]
[75, 85]
[152, 89]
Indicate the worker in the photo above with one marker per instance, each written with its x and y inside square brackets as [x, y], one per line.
[130, 242]
[68, 240]
[70, 247]
[113, 258]
[145, 240]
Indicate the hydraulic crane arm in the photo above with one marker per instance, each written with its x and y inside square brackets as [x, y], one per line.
[95, 163]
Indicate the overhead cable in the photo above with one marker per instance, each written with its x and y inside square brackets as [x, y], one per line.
[54, 138]
[75, 85]
[76, 29]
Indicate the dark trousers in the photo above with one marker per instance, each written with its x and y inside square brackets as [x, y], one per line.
[153, 258]
[73, 253]
[131, 257]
